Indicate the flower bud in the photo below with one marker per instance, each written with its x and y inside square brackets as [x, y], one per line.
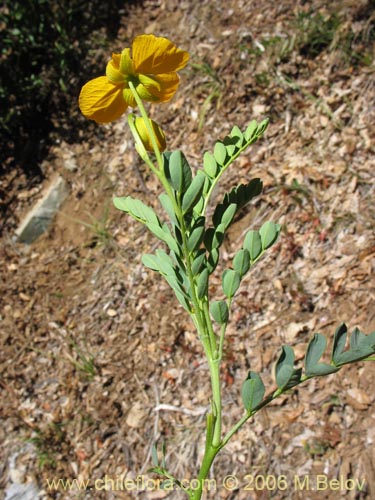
[145, 137]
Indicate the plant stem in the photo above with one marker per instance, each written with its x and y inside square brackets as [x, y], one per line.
[221, 342]
[200, 314]
[210, 329]
[214, 365]
[207, 461]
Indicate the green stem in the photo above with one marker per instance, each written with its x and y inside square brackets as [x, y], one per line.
[214, 365]
[207, 461]
[210, 329]
[221, 341]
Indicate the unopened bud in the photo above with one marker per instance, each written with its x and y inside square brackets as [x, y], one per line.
[145, 137]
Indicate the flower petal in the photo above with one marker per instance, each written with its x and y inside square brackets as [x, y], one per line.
[102, 101]
[153, 55]
[168, 86]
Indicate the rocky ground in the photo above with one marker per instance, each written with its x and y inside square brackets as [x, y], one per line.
[98, 361]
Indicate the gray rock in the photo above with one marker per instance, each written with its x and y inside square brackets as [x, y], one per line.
[24, 491]
[40, 216]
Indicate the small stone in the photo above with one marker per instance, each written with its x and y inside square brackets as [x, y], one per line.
[40, 216]
[26, 491]
[259, 109]
[135, 416]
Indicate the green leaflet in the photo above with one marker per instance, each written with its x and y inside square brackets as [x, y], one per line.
[202, 284]
[198, 262]
[230, 282]
[240, 195]
[231, 145]
[262, 127]
[361, 346]
[219, 311]
[164, 234]
[154, 455]
[252, 391]
[253, 244]
[254, 131]
[256, 242]
[160, 261]
[177, 170]
[236, 133]
[251, 131]
[166, 264]
[151, 261]
[183, 300]
[214, 237]
[286, 375]
[224, 214]
[269, 233]
[145, 214]
[137, 209]
[226, 151]
[314, 352]
[339, 341]
[209, 164]
[168, 207]
[220, 153]
[174, 275]
[212, 260]
[241, 262]
[194, 192]
[196, 234]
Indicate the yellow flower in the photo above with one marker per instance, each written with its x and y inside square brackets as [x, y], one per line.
[151, 66]
[145, 137]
